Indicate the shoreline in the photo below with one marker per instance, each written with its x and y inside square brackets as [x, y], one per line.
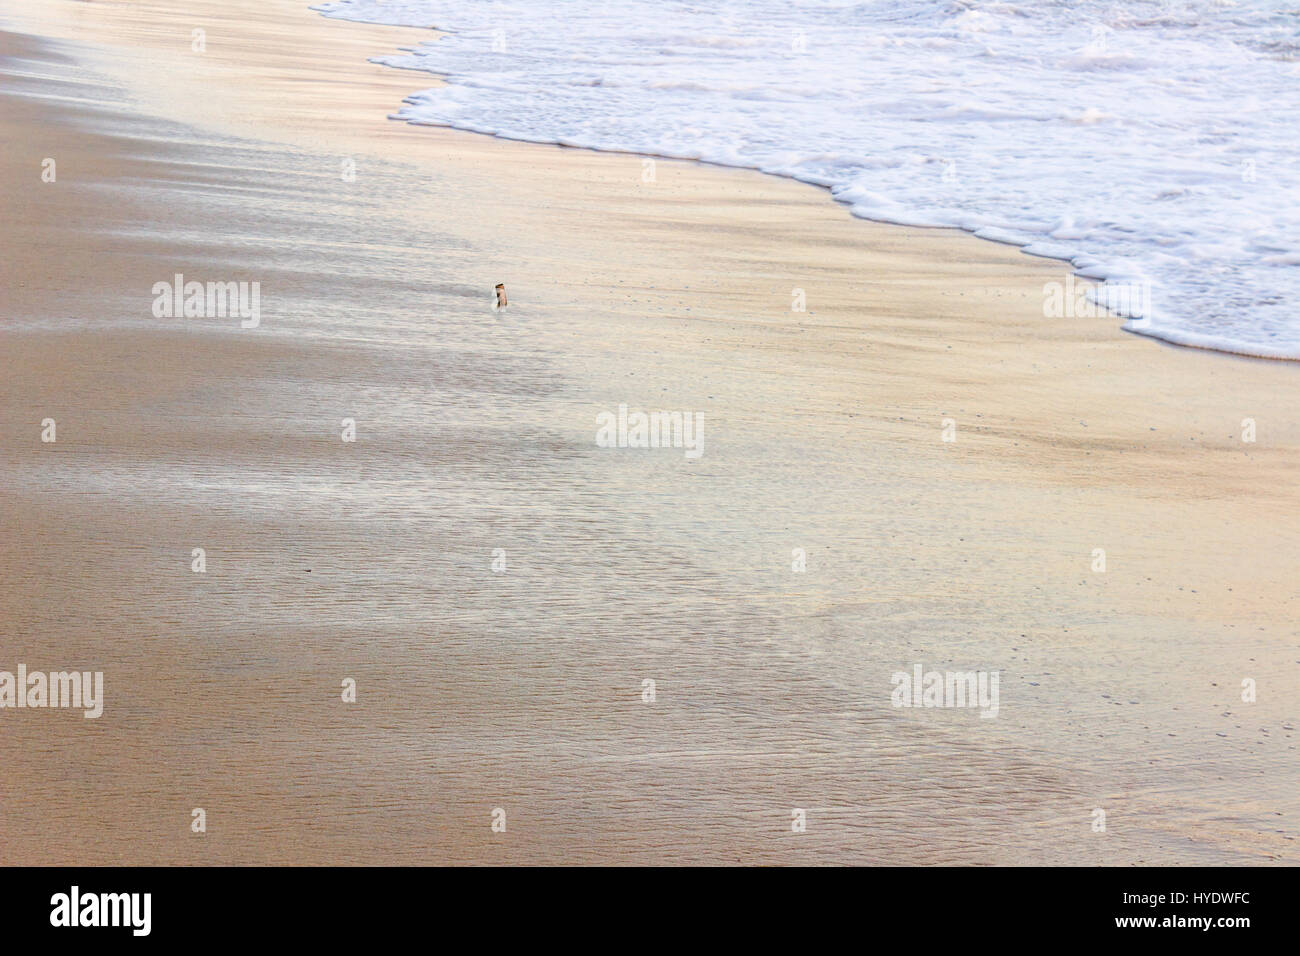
[1166, 335]
[523, 690]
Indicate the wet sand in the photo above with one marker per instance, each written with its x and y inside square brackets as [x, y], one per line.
[523, 690]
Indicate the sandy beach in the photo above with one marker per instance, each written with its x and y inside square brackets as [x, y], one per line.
[270, 157]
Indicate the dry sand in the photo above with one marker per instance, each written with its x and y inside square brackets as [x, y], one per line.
[522, 690]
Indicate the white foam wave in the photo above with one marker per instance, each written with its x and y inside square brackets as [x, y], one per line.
[1149, 139]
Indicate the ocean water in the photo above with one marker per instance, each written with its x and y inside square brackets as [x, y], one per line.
[1150, 143]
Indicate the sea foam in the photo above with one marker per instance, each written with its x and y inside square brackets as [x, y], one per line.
[1140, 140]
